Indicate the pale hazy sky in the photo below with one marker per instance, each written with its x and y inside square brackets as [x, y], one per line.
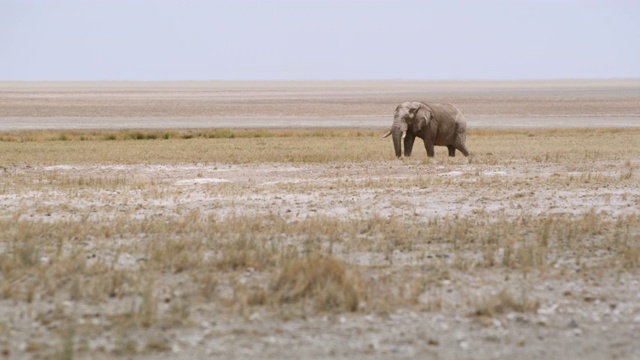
[318, 39]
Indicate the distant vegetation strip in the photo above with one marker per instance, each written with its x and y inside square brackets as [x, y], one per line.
[155, 134]
[163, 134]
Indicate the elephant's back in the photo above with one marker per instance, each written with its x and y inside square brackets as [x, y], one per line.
[444, 109]
[447, 111]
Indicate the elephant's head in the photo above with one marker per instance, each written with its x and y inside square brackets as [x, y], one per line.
[405, 119]
[420, 118]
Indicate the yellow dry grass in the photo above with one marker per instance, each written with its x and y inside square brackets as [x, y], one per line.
[162, 263]
[297, 146]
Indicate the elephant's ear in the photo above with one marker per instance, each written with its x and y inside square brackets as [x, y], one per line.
[423, 115]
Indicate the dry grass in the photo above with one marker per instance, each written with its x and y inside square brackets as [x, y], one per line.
[503, 302]
[323, 279]
[145, 255]
[300, 146]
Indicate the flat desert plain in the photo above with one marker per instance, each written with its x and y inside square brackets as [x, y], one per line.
[235, 220]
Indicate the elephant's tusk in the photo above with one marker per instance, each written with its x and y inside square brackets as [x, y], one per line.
[404, 134]
[387, 134]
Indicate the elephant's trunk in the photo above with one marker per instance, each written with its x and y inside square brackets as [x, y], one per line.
[397, 137]
[399, 128]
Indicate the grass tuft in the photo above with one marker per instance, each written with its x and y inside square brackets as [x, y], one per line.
[324, 280]
[504, 302]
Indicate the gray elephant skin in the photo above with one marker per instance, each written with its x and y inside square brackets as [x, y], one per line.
[439, 124]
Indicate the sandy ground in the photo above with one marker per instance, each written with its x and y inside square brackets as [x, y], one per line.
[372, 121]
[587, 317]
[567, 103]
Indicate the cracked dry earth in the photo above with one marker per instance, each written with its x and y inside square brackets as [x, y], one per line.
[578, 313]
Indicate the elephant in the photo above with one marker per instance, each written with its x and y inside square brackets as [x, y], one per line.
[439, 124]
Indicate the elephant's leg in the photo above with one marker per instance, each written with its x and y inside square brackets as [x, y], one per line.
[408, 144]
[452, 150]
[460, 143]
[429, 146]
[463, 149]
